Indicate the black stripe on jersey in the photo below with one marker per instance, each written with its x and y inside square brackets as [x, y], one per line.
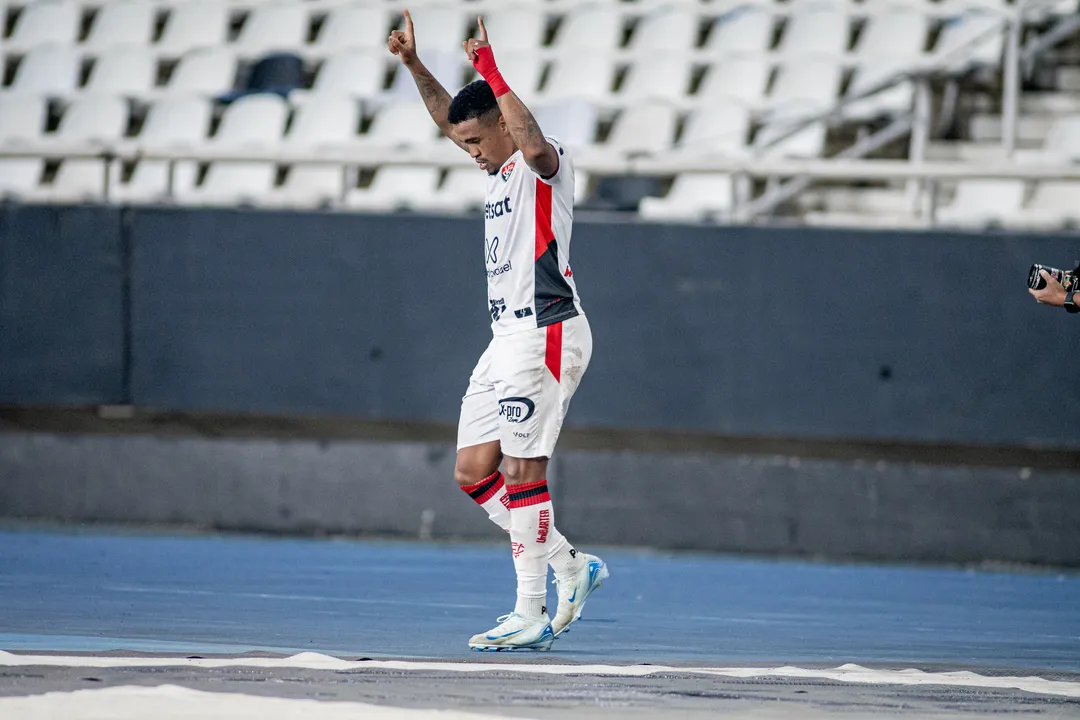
[554, 300]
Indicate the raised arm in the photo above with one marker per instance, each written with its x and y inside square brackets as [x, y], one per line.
[539, 154]
[437, 100]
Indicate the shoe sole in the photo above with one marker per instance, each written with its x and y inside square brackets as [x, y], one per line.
[600, 577]
[513, 648]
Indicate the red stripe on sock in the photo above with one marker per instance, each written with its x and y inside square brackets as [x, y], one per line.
[527, 494]
[553, 352]
[490, 492]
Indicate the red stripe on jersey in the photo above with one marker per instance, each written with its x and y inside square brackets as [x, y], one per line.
[544, 234]
[553, 353]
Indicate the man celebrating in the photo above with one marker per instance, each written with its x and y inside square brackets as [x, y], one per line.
[521, 387]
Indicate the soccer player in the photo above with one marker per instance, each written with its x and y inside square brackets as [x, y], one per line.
[521, 387]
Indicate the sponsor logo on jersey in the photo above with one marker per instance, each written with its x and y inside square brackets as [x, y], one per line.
[523, 312]
[544, 526]
[506, 170]
[516, 409]
[495, 272]
[493, 250]
[498, 307]
[497, 209]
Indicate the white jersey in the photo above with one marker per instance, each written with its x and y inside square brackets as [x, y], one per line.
[527, 225]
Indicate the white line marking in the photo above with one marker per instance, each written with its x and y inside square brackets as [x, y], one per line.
[171, 702]
[316, 661]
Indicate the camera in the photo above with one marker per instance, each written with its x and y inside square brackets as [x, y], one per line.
[1069, 279]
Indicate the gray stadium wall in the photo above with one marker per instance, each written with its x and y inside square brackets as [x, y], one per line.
[892, 336]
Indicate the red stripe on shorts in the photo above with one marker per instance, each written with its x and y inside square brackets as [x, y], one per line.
[553, 353]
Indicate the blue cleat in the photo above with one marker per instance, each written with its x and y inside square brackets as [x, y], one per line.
[575, 589]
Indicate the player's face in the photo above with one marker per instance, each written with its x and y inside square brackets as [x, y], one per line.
[487, 141]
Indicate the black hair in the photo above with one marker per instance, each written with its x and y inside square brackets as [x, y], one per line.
[474, 100]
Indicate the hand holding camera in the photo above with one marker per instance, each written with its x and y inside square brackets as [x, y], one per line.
[1051, 286]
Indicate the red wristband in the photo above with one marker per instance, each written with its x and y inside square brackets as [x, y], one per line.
[485, 65]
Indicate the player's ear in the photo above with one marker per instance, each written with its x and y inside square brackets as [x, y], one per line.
[502, 124]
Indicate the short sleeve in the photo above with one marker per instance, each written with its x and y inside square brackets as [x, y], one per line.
[565, 173]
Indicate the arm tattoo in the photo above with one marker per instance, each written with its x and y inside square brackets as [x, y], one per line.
[435, 97]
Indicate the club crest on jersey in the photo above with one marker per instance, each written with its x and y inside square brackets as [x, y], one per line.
[506, 170]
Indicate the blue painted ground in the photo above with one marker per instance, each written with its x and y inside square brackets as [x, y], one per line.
[86, 591]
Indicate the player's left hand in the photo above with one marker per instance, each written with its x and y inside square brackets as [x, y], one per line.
[1052, 294]
[473, 44]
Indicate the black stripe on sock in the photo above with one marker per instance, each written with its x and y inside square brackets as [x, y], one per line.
[479, 492]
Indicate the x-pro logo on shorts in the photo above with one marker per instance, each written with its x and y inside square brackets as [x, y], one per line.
[493, 250]
[516, 409]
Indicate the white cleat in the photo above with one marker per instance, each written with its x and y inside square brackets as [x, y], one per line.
[575, 589]
[516, 632]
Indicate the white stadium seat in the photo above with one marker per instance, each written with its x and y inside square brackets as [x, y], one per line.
[804, 86]
[520, 27]
[358, 74]
[522, 71]
[48, 70]
[1055, 203]
[45, 23]
[461, 191]
[693, 196]
[440, 27]
[353, 27]
[209, 71]
[173, 123]
[643, 128]
[979, 203]
[590, 27]
[322, 126]
[128, 71]
[401, 124]
[193, 25]
[586, 74]
[273, 28]
[87, 120]
[983, 28]
[716, 130]
[571, 122]
[22, 121]
[898, 31]
[394, 188]
[256, 123]
[773, 141]
[666, 76]
[892, 101]
[666, 30]
[448, 67]
[744, 80]
[746, 30]
[1063, 137]
[815, 30]
[124, 22]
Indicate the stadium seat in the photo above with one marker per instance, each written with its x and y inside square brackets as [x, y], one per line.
[129, 71]
[805, 86]
[693, 196]
[353, 27]
[48, 70]
[772, 141]
[45, 23]
[980, 203]
[1054, 204]
[666, 76]
[897, 31]
[746, 30]
[818, 29]
[394, 188]
[523, 72]
[439, 27]
[209, 71]
[571, 122]
[321, 126]
[461, 191]
[124, 22]
[740, 79]
[590, 27]
[174, 123]
[643, 128]
[90, 120]
[716, 130]
[254, 122]
[273, 28]
[193, 25]
[400, 124]
[982, 27]
[1063, 137]
[521, 27]
[892, 101]
[585, 74]
[357, 74]
[657, 31]
[22, 121]
[448, 67]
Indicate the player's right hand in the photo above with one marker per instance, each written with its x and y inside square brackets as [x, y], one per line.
[403, 43]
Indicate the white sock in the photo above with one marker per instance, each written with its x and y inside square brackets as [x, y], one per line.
[532, 523]
[562, 557]
[490, 494]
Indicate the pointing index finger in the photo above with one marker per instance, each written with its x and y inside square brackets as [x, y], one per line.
[408, 25]
[483, 30]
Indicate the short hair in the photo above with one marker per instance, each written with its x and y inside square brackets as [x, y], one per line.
[474, 100]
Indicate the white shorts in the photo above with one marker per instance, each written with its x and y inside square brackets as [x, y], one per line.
[521, 388]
